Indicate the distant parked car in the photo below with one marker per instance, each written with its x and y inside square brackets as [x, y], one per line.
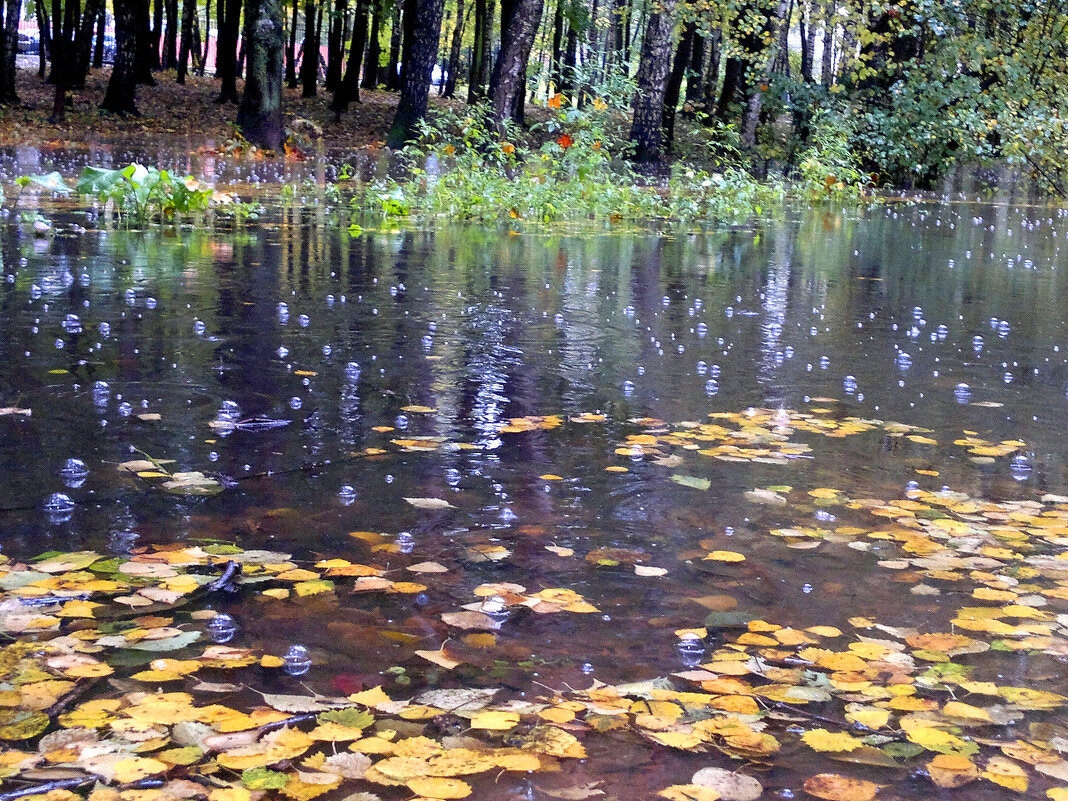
[29, 44]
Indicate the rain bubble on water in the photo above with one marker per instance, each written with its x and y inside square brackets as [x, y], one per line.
[125, 409]
[304, 320]
[1020, 467]
[74, 472]
[963, 393]
[496, 609]
[59, 507]
[296, 661]
[295, 403]
[405, 542]
[222, 628]
[849, 384]
[690, 649]
[282, 351]
[347, 494]
[72, 324]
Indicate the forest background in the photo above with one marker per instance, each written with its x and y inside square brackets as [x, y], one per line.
[844, 96]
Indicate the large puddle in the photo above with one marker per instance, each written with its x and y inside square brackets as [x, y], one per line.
[805, 447]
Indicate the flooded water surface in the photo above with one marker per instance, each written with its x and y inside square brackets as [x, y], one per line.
[809, 476]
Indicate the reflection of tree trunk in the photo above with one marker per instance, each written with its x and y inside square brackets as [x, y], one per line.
[508, 83]
[673, 88]
[260, 114]
[9, 45]
[348, 91]
[421, 56]
[454, 52]
[122, 86]
[646, 131]
[189, 12]
[374, 48]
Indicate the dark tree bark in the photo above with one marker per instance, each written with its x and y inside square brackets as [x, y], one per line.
[229, 12]
[755, 101]
[734, 79]
[480, 53]
[291, 48]
[98, 45]
[454, 52]
[711, 75]
[120, 97]
[309, 64]
[147, 52]
[9, 44]
[207, 36]
[170, 41]
[827, 60]
[335, 44]
[409, 21]
[396, 35]
[63, 20]
[808, 40]
[673, 87]
[157, 31]
[46, 38]
[260, 113]
[83, 43]
[374, 48]
[556, 54]
[508, 83]
[348, 90]
[421, 58]
[189, 12]
[567, 75]
[646, 128]
[695, 75]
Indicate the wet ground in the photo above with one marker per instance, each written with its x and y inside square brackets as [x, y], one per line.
[555, 392]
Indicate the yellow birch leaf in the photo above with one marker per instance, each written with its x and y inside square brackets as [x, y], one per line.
[824, 740]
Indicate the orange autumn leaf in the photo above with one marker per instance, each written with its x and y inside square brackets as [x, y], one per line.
[565, 141]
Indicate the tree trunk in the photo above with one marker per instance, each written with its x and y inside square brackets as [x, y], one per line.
[827, 63]
[756, 98]
[454, 52]
[695, 71]
[98, 45]
[207, 36]
[157, 32]
[409, 21]
[335, 44]
[83, 44]
[291, 48]
[567, 75]
[733, 85]
[120, 97]
[808, 40]
[260, 114]
[422, 55]
[374, 48]
[189, 12]
[62, 34]
[396, 35]
[46, 39]
[9, 45]
[556, 53]
[348, 91]
[170, 41]
[309, 64]
[229, 12]
[711, 74]
[673, 87]
[508, 84]
[480, 51]
[646, 132]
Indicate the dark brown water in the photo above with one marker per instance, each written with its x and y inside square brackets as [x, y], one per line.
[881, 315]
